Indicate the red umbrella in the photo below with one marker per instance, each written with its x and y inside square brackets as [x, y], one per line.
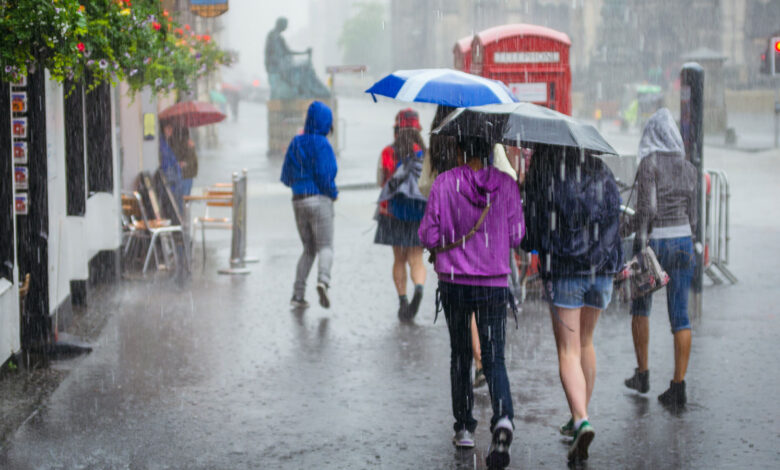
[192, 114]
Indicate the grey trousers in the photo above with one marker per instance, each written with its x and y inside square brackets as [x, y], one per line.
[314, 218]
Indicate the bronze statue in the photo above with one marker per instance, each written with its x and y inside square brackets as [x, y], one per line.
[290, 80]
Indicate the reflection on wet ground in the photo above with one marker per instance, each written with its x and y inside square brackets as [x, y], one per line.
[223, 374]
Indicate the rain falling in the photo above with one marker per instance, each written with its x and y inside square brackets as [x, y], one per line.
[258, 234]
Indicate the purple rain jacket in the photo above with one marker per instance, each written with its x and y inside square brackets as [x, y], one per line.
[457, 199]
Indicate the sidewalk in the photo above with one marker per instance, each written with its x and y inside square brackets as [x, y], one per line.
[222, 374]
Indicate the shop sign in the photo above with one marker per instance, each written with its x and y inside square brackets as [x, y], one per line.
[208, 8]
[21, 177]
[19, 102]
[20, 203]
[19, 128]
[541, 57]
[20, 152]
[20, 82]
[530, 92]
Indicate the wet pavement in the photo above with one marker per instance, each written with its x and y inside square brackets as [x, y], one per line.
[222, 374]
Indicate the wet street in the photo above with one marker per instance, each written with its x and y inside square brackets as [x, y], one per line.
[221, 374]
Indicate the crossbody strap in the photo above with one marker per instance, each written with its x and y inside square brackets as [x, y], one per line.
[466, 237]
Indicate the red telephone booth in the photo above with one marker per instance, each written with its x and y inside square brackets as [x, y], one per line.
[533, 61]
[462, 54]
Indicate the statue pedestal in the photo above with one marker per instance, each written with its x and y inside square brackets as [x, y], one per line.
[286, 119]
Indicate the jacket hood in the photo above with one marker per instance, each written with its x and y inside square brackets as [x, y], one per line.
[661, 136]
[477, 185]
[318, 119]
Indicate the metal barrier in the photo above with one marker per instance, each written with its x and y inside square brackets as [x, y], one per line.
[238, 258]
[716, 232]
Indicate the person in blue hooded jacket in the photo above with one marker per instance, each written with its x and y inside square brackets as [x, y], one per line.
[310, 171]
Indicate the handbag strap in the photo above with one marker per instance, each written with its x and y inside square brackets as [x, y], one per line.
[465, 238]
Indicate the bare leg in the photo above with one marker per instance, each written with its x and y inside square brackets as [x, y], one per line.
[682, 351]
[475, 347]
[588, 319]
[414, 256]
[399, 269]
[640, 330]
[566, 328]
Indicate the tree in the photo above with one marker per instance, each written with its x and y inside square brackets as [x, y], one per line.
[104, 40]
[365, 37]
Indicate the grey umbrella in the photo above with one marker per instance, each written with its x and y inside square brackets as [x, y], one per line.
[524, 123]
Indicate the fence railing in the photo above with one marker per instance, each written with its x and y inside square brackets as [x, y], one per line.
[717, 215]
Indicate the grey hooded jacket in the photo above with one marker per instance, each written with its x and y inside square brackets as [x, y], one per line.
[666, 180]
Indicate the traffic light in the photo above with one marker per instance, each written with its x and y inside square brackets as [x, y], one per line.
[770, 60]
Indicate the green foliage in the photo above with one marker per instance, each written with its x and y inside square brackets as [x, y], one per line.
[366, 38]
[104, 40]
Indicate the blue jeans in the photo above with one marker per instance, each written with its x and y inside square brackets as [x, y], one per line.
[489, 305]
[677, 258]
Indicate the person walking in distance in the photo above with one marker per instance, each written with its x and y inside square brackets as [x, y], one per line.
[572, 210]
[473, 218]
[666, 219]
[309, 169]
[399, 214]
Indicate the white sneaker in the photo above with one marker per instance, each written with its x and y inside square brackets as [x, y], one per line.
[322, 290]
[463, 439]
[498, 453]
[299, 303]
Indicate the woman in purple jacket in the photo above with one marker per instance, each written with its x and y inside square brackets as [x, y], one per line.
[474, 215]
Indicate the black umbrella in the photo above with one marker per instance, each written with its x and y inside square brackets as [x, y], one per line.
[524, 123]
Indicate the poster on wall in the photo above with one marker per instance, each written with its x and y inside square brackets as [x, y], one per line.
[20, 152]
[19, 101]
[20, 203]
[21, 177]
[19, 128]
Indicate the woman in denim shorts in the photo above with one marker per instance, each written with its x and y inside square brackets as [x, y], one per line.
[572, 209]
[666, 219]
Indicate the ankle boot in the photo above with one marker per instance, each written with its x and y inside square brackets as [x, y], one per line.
[675, 395]
[640, 381]
[403, 308]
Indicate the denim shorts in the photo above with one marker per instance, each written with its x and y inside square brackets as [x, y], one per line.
[677, 258]
[580, 291]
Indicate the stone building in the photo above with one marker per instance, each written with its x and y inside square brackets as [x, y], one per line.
[617, 40]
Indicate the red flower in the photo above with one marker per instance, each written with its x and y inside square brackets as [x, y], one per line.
[187, 27]
[179, 31]
[156, 26]
[81, 47]
[206, 37]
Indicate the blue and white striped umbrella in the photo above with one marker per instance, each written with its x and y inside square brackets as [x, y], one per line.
[442, 86]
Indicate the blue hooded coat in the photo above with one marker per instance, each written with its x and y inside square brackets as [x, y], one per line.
[310, 164]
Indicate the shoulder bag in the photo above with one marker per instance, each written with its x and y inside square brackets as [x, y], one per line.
[463, 240]
[643, 271]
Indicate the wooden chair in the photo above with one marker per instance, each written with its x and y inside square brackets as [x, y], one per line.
[154, 229]
[215, 199]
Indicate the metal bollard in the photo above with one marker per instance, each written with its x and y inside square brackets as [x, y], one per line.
[238, 230]
[244, 257]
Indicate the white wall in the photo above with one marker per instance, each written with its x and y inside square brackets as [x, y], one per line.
[9, 319]
[137, 154]
[74, 240]
[62, 260]
[10, 339]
